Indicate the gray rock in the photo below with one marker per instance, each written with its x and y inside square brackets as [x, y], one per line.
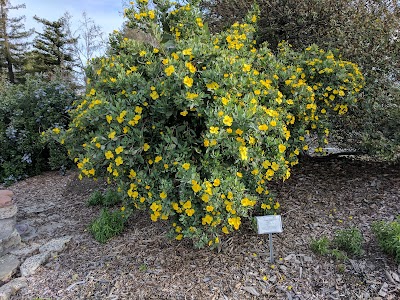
[10, 288]
[51, 227]
[7, 227]
[8, 266]
[38, 208]
[55, 245]
[8, 212]
[25, 250]
[26, 231]
[31, 264]
[10, 243]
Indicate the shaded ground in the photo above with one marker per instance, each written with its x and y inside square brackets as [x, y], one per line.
[320, 198]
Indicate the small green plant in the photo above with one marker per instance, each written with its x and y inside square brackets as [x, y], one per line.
[388, 236]
[96, 198]
[349, 240]
[338, 254]
[346, 242]
[320, 246]
[143, 268]
[107, 225]
[109, 199]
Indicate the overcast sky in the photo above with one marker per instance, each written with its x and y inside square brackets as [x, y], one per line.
[105, 13]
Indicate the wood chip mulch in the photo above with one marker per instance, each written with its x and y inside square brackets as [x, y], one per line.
[320, 198]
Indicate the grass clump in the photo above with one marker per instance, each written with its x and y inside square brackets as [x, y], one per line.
[107, 199]
[347, 242]
[107, 225]
[388, 236]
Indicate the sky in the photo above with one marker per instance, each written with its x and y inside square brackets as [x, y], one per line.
[105, 13]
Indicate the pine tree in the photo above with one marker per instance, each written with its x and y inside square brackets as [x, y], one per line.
[53, 47]
[13, 41]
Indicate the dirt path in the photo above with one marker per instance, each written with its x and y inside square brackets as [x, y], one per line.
[320, 198]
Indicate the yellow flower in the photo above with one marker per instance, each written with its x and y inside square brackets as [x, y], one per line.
[206, 220]
[109, 155]
[254, 18]
[169, 70]
[239, 131]
[238, 174]
[273, 123]
[263, 127]
[191, 68]
[188, 81]
[235, 222]
[154, 95]
[206, 143]
[195, 186]
[243, 152]
[205, 197]
[246, 68]
[119, 149]
[56, 130]
[138, 109]
[275, 166]
[247, 202]
[216, 182]
[191, 96]
[179, 237]
[214, 130]
[186, 166]
[157, 159]
[146, 147]
[152, 16]
[184, 113]
[111, 135]
[225, 230]
[187, 204]
[190, 212]
[209, 208]
[187, 51]
[163, 195]
[119, 161]
[142, 53]
[212, 85]
[282, 148]
[227, 120]
[277, 205]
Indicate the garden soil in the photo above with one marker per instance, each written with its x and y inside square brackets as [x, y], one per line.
[321, 197]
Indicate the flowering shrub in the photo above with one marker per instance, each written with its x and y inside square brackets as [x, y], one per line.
[192, 126]
[26, 110]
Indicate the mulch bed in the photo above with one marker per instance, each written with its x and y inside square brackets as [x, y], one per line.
[320, 198]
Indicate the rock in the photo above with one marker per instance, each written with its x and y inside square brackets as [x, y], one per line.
[6, 193]
[12, 287]
[5, 201]
[31, 264]
[55, 245]
[7, 227]
[251, 290]
[25, 250]
[51, 227]
[8, 266]
[8, 211]
[26, 231]
[10, 243]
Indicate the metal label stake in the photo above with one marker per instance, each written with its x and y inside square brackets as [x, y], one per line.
[270, 225]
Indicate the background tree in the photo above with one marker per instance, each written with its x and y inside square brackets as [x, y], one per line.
[13, 41]
[54, 46]
[90, 42]
[363, 31]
